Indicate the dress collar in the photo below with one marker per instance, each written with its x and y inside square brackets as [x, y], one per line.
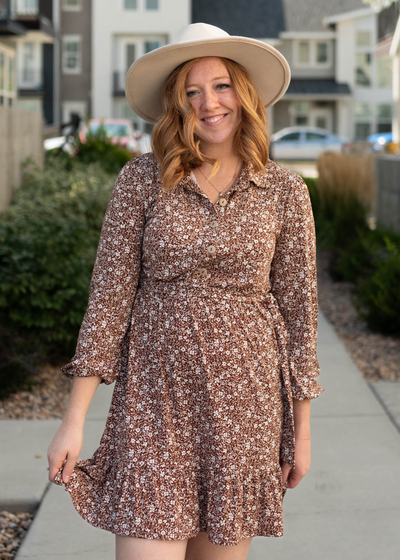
[247, 176]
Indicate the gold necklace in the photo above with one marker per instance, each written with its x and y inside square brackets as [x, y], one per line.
[224, 190]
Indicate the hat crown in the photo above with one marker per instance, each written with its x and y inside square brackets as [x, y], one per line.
[201, 32]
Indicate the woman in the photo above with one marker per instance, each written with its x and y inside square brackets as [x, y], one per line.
[203, 309]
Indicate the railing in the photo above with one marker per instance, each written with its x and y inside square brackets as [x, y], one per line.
[30, 79]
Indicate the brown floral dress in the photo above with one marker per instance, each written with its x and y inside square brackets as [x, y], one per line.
[205, 316]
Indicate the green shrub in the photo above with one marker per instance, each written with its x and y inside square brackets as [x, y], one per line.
[378, 297]
[48, 241]
[97, 148]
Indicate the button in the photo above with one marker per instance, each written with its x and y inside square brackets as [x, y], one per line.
[211, 249]
[213, 223]
[202, 271]
[222, 202]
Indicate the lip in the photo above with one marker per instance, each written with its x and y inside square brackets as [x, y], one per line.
[223, 116]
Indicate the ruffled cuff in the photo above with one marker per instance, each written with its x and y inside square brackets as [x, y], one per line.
[76, 368]
[308, 388]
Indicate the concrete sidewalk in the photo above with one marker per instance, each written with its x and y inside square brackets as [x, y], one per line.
[347, 507]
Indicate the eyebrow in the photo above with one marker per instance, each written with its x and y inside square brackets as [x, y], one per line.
[214, 80]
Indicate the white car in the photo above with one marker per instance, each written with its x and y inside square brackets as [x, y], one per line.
[304, 142]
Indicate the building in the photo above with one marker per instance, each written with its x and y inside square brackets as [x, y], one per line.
[10, 30]
[35, 63]
[337, 83]
[122, 31]
[75, 58]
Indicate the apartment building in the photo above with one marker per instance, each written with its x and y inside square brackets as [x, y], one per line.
[75, 58]
[10, 30]
[122, 31]
[337, 80]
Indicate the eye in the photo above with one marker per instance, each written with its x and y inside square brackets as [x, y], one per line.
[190, 93]
[223, 86]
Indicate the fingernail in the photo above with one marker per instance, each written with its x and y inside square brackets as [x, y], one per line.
[66, 479]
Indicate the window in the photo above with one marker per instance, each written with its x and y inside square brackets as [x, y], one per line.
[130, 55]
[312, 53]
[304, 52]
[384, 78]
[72, 58]
[384, 115]
[2, 71]
[28, 6]
[301, 113]
[130, 4]
[363, 118]
[72, 5]
[27, 75]
[322, 53]
[364, 39]
[315, 137]
[151, 4]
[10, 74]
[151, 45]
[291, 137]
[363, 69]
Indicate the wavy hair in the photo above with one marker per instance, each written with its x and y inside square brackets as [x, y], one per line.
[174, 142]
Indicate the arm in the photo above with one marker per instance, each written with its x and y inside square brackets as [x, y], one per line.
[68, 440]
[114, 279]
[294, 285]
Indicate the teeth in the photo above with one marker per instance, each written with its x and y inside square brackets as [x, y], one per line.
[213, 119]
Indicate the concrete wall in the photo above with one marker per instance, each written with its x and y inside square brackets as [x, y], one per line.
[21, 135]
[388, 193]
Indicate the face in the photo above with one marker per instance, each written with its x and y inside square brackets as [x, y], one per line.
[214, 100]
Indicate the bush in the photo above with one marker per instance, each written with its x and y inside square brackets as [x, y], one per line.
[378, 297]
[48, 241]
[97, 148]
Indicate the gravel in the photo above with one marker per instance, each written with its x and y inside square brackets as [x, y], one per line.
[376, 355]
[13, 527]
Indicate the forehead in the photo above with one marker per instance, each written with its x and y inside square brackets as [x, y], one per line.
[208, 65]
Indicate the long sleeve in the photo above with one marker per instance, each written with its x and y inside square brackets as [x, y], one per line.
[114, 280]
[294, 286]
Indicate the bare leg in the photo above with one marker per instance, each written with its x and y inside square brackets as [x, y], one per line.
[200, 548]
[131, 548]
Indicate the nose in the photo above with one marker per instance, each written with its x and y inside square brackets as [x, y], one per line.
[209, 100]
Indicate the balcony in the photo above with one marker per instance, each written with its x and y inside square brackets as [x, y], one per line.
[34, 15]
[7, 24]
[30, 82]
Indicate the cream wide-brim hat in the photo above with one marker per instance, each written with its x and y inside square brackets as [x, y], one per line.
[145, 79]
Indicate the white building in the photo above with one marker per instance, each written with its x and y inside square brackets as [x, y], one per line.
[369, 76]
[122, 31]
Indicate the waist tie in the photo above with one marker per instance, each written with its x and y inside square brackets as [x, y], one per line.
[161, 289]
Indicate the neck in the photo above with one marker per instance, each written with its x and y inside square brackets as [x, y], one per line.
[226, 155]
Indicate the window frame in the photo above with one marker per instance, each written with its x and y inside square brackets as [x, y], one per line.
[67, 8]
[71, 38]
[313, 63]
[141, 6]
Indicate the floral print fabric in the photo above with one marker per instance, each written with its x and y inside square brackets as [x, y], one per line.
[205, 316]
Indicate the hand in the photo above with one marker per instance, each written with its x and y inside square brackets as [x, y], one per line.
[65, 447]
[302, 463]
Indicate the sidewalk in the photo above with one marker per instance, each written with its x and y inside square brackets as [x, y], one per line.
[347, 507]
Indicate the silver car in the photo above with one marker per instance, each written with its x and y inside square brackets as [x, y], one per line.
[304, 142]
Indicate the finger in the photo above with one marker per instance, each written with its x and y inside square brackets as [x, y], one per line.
[69, 467]
[285, 471]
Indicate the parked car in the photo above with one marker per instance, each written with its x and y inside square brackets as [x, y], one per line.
[379, 140]
[120, 131]
[304, 142]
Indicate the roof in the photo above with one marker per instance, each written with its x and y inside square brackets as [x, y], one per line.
[317, 87]
[265, 19]
[307, 15]
[260, 19]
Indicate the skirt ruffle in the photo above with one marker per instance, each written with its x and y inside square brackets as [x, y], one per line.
[169, 503]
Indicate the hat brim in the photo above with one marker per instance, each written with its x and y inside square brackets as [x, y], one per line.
[145, 79]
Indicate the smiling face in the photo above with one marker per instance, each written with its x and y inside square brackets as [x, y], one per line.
[210, 91]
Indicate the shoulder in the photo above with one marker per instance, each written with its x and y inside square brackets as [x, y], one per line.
[139, 176]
